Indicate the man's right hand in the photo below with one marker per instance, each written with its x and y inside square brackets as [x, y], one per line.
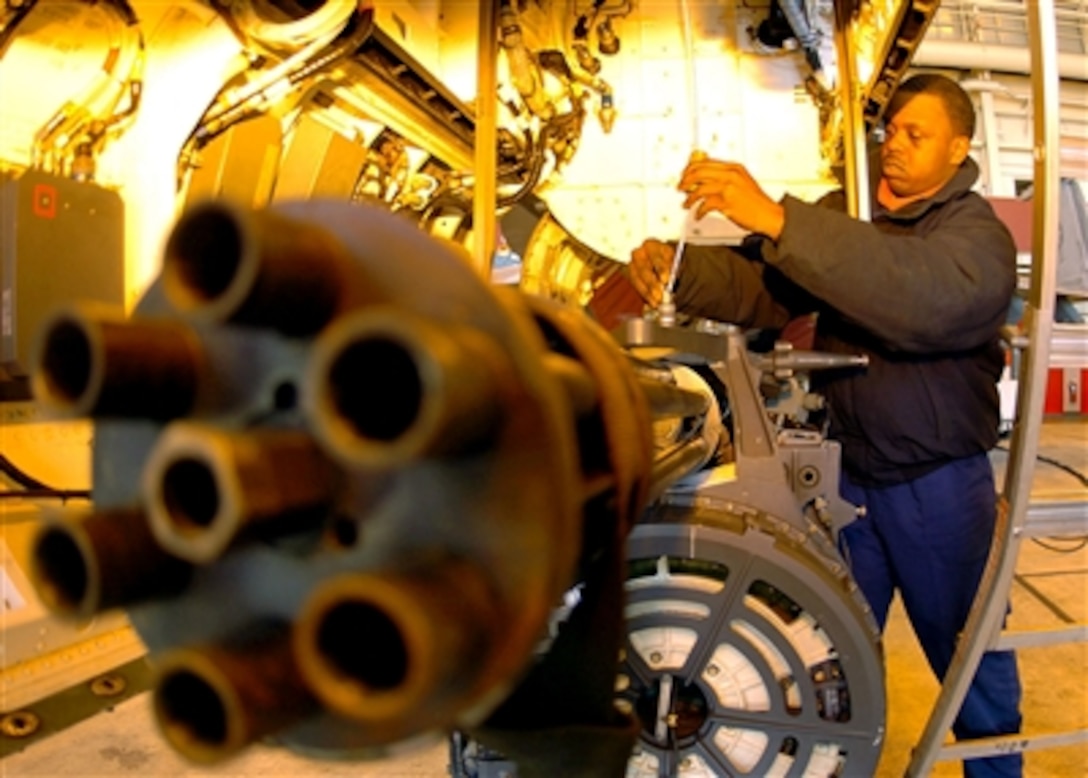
[650, 266]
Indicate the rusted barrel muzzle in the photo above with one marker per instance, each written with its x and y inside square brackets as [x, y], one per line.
[104, 560]
[224, 264]
[385, 387]
[212, 701]
[91, 362]
[207, 489]
[390, 649]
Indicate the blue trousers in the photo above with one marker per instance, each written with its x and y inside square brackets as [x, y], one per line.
[929, 539]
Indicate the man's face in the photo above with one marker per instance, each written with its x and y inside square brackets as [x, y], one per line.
[921, 150]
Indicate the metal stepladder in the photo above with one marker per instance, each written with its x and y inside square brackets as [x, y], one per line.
[1017, 517]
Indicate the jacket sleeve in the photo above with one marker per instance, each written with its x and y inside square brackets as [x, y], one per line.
[947, 290]
[717, 282]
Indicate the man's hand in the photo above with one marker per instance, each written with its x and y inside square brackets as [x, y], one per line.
[728, 187]
[651, 264]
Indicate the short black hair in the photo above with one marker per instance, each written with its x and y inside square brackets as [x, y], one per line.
[961, 111]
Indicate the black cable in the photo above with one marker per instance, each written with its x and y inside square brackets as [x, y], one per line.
[46, 494]
[1078, 541]
[1066, 468]
[20, 476]
[1055, 463]
[1077, 544]
[32, 488]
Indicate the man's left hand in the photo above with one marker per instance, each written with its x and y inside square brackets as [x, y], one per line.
[728, 187]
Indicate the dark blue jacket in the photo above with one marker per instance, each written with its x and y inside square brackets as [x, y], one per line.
[922, 291]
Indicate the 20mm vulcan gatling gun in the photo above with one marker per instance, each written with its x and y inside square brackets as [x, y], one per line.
[342, 486]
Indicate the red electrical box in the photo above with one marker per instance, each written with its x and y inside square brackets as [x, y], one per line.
[1066, 384]
[1065, 390]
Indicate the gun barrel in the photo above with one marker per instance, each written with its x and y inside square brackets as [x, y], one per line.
[386, 387]
[103, 560]
[396, 650]
[257, 268]
[90, 362]
[211, 701]
[206, 488]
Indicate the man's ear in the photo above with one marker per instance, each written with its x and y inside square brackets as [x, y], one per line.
[957, 151]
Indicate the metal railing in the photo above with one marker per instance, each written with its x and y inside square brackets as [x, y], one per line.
[1005, 23]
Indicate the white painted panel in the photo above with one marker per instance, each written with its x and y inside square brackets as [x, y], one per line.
[664, 80]
[666, 149]
[616, 214]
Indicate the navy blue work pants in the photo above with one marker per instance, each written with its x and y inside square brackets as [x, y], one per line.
[929, 539]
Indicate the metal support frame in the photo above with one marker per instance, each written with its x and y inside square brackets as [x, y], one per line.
[862, 105]
[855, 159]
[484, 229]
[1015, 517]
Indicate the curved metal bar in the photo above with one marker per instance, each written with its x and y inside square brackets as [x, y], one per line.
[988, 612]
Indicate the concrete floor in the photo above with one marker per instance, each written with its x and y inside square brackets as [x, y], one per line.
[1050, 590]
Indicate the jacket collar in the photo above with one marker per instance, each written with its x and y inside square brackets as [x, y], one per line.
[960, 183]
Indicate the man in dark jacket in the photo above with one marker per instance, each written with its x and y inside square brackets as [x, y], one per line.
[922, 290]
